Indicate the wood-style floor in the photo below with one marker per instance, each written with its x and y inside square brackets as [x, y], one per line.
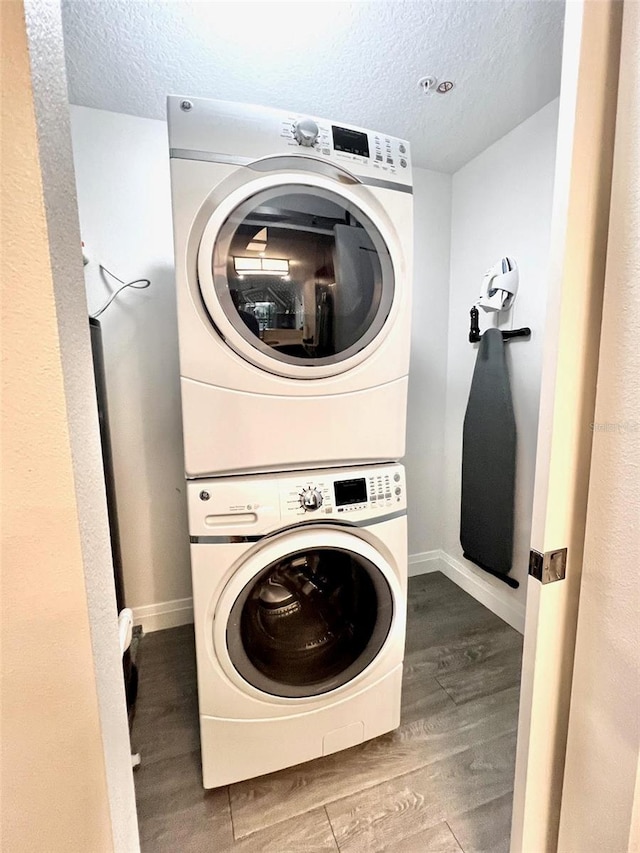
[441, 783]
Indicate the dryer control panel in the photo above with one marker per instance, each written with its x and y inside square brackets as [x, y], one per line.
[253, 505]
[227, 132]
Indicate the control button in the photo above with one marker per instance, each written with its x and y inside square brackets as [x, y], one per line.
[306, 132]
[398, 490]
[396, 477]
[389, 160]
[310, 499]
[402, 149]
[388, 495]
[403, 163]
[204, 495]
[326, 151]
[379, 157]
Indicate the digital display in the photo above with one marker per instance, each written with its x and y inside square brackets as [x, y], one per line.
[350, 491]
[350, 141]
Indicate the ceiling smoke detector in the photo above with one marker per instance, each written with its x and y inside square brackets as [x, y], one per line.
[427, 84]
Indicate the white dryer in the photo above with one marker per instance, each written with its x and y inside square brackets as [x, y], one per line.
[293, 246]
[299, 591]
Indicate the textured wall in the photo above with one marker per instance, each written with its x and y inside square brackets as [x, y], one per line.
[501, 206]
[44, 32]
[603, 748]
[54, 785]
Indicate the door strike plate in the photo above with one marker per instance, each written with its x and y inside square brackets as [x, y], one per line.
[548, 567]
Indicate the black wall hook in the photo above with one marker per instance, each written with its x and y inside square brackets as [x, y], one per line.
[474, 329]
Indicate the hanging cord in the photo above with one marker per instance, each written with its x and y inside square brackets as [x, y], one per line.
[138, 284]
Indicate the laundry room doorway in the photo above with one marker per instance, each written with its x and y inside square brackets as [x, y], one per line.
[579, 235]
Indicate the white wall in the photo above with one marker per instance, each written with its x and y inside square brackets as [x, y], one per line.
[428, 369]
[122, 174]
[501, 205]
[603, 746]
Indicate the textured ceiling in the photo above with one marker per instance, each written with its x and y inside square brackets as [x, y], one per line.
[356, 62]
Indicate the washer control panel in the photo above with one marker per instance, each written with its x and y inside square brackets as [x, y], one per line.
[248, 505]
[378, 489]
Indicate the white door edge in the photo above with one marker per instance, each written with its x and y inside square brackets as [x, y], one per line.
[577, 261]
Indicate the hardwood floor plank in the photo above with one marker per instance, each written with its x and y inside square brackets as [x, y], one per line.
[378, 818]
[485, 829]
[438, 839]
[261, 802]
[309, 833]
[480, 679]
[436, 624]
[464, 648]
[175, 813]
[166, 727]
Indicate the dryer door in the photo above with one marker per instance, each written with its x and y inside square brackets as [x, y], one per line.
[307, 613]
[297, 273]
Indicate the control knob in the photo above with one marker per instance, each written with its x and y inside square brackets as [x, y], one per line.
[310, 499]
[306, 132]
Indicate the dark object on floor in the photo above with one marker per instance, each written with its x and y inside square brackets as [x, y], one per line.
[107, 456]
[129, 670]
[489, 463]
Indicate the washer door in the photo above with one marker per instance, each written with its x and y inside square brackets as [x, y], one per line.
[296, 274]
[307, 614]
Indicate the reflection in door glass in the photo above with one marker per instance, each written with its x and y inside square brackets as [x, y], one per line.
[308, 275]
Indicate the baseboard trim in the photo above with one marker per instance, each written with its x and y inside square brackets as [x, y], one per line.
[165, 614]
[513, 613]
[424, 562]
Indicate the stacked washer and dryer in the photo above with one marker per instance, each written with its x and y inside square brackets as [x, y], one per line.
[293, 245]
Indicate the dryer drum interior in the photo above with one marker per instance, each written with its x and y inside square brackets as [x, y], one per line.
[309, 622]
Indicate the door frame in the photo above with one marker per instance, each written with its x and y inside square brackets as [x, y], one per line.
[579, 232]
[590, 61]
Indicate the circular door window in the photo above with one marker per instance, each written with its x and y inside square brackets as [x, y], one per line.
[302, 275]
[309, 622]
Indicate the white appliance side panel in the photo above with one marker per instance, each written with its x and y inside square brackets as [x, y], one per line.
[233, 750]
[231, 432]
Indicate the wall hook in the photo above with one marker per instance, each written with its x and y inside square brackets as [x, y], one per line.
[474, 329]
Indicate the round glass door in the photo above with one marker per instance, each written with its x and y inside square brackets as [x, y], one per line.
[309, 622]
[303, 275]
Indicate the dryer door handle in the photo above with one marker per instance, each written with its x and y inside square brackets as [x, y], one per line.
[300, 162]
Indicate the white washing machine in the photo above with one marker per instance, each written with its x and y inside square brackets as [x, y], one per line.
[293, 245]
[299, 590]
